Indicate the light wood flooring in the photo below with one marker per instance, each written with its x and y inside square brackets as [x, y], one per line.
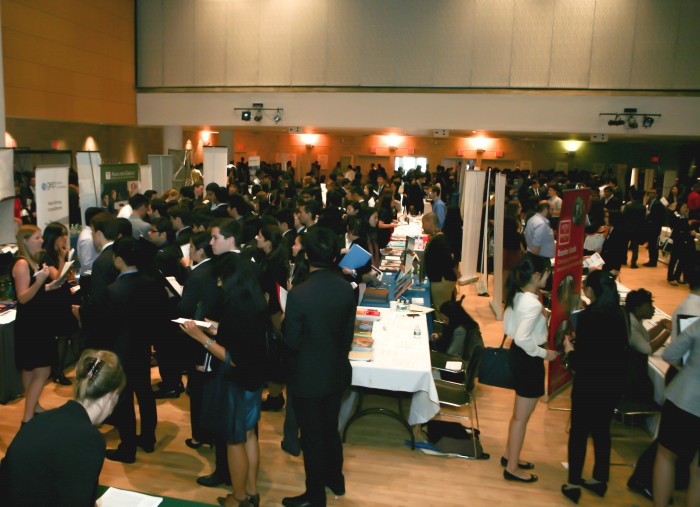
[379, 469]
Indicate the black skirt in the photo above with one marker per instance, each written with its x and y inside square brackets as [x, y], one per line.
[528, 373]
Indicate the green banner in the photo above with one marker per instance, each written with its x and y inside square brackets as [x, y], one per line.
[119, 173]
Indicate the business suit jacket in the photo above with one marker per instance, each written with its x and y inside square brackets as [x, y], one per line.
[318, 328]
[137, 314]
[201, 298]
[55, 460]
[415, 197]
[655, 217]
[92, 312]
[183, 237]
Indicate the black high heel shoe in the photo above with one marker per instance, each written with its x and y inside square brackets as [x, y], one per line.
[573, 493]
[195, 445]
[510, 477]
[62, 380]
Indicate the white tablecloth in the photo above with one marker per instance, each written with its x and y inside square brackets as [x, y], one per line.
[401, 363]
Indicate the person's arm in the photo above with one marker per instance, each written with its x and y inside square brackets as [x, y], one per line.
[682, 343]
[26, 289]
[293, 323]
[208, 342]
[639, 343]
[659, 334]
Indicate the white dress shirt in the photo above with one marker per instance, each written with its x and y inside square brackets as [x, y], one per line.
[526, 325]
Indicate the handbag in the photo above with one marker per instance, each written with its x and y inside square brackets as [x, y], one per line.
[218, 395]
[494, 369]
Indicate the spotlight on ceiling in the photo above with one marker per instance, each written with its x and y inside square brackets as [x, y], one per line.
[277, 118]
[648, 121]
[258, 116]
[616, 121]
[245, 116]
[632, 122]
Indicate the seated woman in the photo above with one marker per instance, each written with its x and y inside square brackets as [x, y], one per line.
[56, 459]
[458, 325]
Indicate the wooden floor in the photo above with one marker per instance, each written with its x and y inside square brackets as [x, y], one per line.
[379, 469]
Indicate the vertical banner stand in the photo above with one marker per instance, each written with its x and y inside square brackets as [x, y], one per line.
[482, 287]
[7, 197]
[51, 195]
[472, 207]
[215, 165]
[498, 216]
[89, 180]
[161, 172]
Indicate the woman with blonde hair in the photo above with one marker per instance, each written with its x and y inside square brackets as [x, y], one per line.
[56, 459]
[35, 350]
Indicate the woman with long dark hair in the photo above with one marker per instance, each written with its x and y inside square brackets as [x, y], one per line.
[387, 217]
[240, 339]
[512, 238]
[597, 359]
[525, 323]
[371, 221]
[35, 350]
[57, 246]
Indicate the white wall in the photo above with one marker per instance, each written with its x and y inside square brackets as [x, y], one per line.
[579, 44]
[419, 113]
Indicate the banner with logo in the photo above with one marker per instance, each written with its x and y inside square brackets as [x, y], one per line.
[89, 180]
[51, 195]
[566, 283]
[117, 177]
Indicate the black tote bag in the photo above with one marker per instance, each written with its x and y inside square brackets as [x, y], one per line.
[494, 369]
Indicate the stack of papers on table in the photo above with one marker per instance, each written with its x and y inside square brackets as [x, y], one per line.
[114, 497]
[361, 356]
[368, 314]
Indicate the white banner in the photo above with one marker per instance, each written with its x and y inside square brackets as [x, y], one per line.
[215, 162]
[89, 180]
[472, 207]
[51, 195]
[8, 226]
[7, 175]
[146, 176]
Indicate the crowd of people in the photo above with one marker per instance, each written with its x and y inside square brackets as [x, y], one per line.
[228, 255]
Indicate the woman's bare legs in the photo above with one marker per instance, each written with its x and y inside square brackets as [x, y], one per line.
[522, 410]
[33, 382]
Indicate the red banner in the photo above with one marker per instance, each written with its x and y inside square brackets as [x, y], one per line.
[566, 283]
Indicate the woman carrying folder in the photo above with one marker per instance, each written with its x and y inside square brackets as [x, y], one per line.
[355, 237]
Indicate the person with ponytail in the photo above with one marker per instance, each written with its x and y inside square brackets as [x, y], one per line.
[597, 357]
[526, 324]
[56, 459]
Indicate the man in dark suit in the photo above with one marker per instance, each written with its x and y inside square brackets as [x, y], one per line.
[656, 213]
[181, 218]
[634, 223]
[91, 312]
[610, 201]
[136, 313]
[416, 195]
[285, 217]
[318, 328]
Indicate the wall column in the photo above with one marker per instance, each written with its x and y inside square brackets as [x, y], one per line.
[172, 138]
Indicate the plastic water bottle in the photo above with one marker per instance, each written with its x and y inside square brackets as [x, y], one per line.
[416, 332]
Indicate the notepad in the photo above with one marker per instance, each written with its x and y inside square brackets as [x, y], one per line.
[200, 323]
[172, 281]
[114, 497]
[62, 277]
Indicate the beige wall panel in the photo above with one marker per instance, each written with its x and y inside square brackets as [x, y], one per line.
[572, 39]
[655, 44]
[179, 35]
[532, 43]
[343, 44]
[493, 42]
[686, 69]
[309, 38]
[275, 39]
[210, 43]
[242, 47]
[415, 46]
[381, 24]
[452, 25]
[150, 43]
[613, 36]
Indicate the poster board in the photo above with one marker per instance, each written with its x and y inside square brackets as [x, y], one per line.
[472, 208]
[215, 162]
[89, 180]
[146, 178]
[161, 172]
[51, 195]
[117, 177]
[498, 217]
[7, 180]
[566, 283]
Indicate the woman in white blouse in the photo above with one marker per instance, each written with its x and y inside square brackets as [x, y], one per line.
[526, 324]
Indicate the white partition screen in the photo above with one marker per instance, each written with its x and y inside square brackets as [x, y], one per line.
[472, 206]
[215, 160]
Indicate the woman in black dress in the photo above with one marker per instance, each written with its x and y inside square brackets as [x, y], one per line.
[597, 359]
[56, 459]
[56, 246]
[387, 217]
[35, 350]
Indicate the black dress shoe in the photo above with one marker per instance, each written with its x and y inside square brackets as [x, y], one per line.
[121, 455]
[296, 501]
[196, 445]
[524, 465]
[147, 446]
[510, 477]
[293, 449]
[161, 394]
[213, 480]
[254, 499]
[338, 490]
[599, 488]
[573, 493]
[272, 403]
[649, 264]
[62, 380]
